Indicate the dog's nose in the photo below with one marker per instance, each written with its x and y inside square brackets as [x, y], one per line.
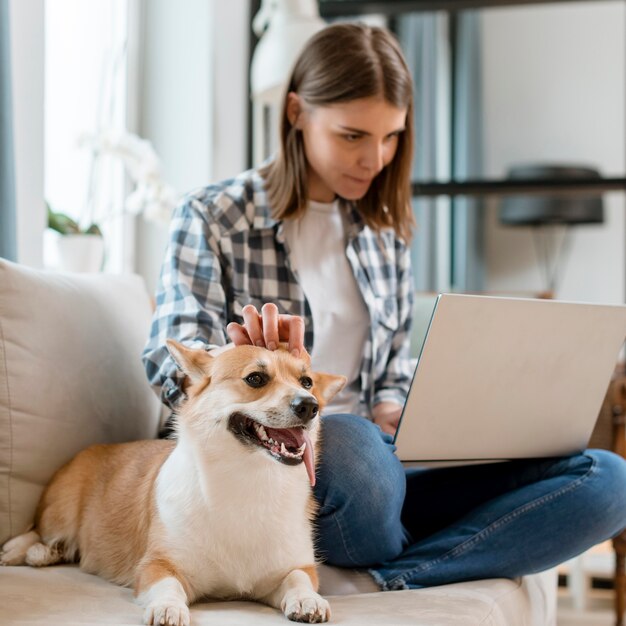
[305, 408]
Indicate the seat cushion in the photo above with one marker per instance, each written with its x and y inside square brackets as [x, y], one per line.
[70, 375]
[66, 596]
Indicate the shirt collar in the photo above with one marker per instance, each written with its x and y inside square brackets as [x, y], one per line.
[263, 214]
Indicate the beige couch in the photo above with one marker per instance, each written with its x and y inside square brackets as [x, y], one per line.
[70, 375]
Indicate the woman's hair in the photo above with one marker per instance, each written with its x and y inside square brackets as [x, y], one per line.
[340, 63]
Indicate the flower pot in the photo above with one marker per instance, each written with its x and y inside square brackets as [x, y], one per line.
[73, 253]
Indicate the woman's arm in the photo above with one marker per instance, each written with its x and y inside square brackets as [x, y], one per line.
[190, 301]
[192, 307]
[392, 387]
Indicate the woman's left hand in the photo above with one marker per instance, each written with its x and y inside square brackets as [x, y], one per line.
[387, 415]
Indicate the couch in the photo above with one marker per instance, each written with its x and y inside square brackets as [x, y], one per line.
[70, 375]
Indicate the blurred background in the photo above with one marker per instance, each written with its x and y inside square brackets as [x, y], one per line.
[110, 110]
[498, 88]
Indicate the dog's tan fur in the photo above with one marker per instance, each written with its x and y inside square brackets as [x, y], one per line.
[206, 515]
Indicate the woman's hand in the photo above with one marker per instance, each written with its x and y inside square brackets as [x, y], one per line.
[387, 415]
[267, 328]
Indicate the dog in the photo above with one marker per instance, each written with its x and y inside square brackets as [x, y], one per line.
[222, 511]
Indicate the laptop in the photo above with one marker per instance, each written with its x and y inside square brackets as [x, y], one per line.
[507, 378]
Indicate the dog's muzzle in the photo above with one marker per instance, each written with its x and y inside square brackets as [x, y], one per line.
[290, 446]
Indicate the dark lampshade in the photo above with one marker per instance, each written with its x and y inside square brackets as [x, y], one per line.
[537, 210]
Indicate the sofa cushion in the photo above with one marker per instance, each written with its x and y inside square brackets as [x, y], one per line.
[70, 376]
[66, 596]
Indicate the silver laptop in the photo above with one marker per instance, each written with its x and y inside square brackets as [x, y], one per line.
[506, 378]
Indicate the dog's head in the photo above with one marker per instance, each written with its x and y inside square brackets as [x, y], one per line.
[269, 401]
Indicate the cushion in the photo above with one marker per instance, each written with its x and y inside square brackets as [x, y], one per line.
[66, 596]
[423, 307]
[70, 375]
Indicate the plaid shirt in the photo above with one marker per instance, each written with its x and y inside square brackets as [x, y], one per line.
[226, 251]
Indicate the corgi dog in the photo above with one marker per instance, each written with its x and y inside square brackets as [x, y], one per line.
[223, 511]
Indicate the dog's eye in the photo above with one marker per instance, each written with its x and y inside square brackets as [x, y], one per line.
[256, 379]
[306, 382]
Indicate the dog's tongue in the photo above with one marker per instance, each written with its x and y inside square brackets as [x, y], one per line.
[309, 458]
[295, 437]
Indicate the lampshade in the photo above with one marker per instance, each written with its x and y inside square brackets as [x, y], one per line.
[290, 23]
[536, 210]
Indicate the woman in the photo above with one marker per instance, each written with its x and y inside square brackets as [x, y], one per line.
[313, 249]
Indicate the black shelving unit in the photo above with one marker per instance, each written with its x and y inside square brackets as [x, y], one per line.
[344, 8]
[391, 8]
[518, 186]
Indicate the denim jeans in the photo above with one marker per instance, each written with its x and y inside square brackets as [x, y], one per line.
[421, 527]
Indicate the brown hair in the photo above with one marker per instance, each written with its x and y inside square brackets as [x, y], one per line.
[345, 62]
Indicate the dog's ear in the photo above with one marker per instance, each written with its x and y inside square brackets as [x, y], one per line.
[195, 363]
[328, 385]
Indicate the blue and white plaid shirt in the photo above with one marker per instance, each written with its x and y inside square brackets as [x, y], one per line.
[226, 251]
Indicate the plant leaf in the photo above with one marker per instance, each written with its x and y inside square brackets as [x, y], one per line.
[94, 229]
[61, 223]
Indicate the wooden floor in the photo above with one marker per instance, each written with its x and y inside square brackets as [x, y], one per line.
[598, 562]
[600, 611]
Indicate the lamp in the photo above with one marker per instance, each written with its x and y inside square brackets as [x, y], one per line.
[542, 212]
[283, 26]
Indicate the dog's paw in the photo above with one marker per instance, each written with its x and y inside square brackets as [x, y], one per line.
[308, 607]
[12, 557]
[14, 551]
[167, 615]
[41, 555]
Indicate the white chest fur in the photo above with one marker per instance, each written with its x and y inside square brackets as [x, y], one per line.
[234, 520]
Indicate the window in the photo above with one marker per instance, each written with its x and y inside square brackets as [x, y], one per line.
[86, 67]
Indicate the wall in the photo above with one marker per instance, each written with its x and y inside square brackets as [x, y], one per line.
[27, 69]
[192, 100]
[554, 91]
[85, 94]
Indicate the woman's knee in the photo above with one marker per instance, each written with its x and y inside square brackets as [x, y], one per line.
[360, 489]
[349, 433]
[608, 493]
[357, 456]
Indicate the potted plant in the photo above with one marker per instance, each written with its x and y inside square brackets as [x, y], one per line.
[69, 247]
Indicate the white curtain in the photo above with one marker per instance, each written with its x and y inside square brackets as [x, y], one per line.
[447, 247]
[468, 213]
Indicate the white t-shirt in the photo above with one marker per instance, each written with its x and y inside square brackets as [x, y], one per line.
[341, 321]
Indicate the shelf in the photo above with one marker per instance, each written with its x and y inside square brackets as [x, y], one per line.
[477, 188]
[512, 187]
[344, 8]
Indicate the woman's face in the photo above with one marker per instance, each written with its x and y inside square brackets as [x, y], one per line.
[346, 144]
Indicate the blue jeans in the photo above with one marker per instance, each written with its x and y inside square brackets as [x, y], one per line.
[421, 527]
